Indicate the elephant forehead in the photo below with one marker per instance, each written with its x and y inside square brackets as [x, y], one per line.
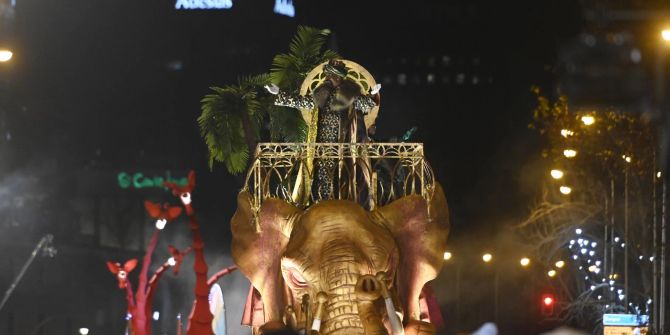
[339, 232]
[335, 214]
[341, 220]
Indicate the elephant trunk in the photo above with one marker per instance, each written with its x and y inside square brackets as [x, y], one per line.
[341, 315]
[368, 290]
[341, 272]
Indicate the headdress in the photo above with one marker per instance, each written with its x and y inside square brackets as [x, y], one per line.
[336, 67]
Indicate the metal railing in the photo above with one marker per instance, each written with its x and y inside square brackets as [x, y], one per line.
[372, 174]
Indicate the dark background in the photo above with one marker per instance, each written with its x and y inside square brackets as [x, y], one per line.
[99, 87]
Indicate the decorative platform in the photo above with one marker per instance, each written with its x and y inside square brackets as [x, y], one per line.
[373, 174]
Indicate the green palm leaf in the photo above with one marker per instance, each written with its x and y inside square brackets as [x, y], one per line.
[305, 52]
[230, 123]
[232, 116]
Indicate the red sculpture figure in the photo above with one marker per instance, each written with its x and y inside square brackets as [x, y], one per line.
[184, 192]
[200, 320]
[139, 306]
[122, 272]
[162, 214]
[177, 257]
[122, 276]
[214, 278]
[153, 282]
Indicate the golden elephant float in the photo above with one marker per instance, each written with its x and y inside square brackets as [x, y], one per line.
[335, 267]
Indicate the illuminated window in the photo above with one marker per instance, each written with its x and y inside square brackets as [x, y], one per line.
[203, 4]
[284, 7]
[460, 78]
[402, 79]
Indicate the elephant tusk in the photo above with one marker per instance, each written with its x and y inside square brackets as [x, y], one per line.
[305, 310]
[394, 318]
[321, 299]
[290, 318]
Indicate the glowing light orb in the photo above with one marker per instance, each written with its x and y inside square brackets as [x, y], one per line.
[160, 224]
[665, 35]
[186, 198]
[588, 120]
[556, 174]
[565, 190]
[6, 56]
[569, 153]
[566, 132]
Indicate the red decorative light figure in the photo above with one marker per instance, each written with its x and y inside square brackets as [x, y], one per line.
[122, 272]
[139, 305]
[177, 257]
[162, 214]
[184, 192]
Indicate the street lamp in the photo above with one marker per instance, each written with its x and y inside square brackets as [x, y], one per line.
[556, 174]
[588, 120]
[560, 264]
[551, 273]
[83, 331]
[567, 132]
[46, 246]
[5, 55]
[487, 257]
[665, 34]
[565, 190]
[447, 255]
[525, 261]
[569, 153]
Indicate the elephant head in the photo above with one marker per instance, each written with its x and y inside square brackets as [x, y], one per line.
[323, 251]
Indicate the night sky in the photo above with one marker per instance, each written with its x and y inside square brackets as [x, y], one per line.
[117, 86]
[98, 87]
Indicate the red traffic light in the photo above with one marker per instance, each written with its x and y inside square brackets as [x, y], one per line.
[548, 301]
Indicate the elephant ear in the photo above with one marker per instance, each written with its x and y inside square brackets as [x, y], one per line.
[420, 228]
[259, 244]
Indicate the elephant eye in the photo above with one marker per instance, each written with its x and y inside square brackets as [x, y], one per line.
[296, 279]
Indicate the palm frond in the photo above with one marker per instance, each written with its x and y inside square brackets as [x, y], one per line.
[221, 125]
[307, 42]
[254, 81]
[305, 52]
[232, 116]
[287, 125]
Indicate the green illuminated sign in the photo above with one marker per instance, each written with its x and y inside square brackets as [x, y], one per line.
[139, 180]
